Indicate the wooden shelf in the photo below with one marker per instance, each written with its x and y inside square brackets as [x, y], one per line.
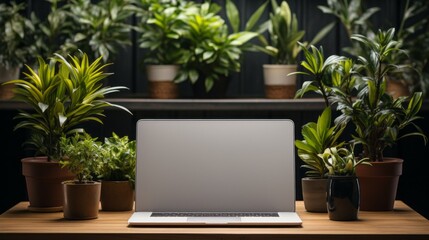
[251, 104]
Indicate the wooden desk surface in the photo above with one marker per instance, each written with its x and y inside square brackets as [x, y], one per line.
[402, 223]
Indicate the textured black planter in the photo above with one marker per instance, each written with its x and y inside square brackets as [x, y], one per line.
[343, 198]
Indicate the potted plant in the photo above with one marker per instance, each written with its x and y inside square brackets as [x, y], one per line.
[410, 38]
[343, 187]
[212, 53]
[376, 116]
[62, 94]
[317, 137]
[101, 28]
[54, 33]
[117, 171]
[80, 155]
[283, 47]
[16, 41]
[161, 34]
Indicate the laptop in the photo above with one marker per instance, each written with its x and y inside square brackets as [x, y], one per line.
[215, 172]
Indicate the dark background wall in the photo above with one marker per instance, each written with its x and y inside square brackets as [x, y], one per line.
[129, 72]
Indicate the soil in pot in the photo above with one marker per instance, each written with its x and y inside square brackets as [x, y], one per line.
[81, 200]
[378, 184]
[43, 180]
[314, 194]
[117, 196]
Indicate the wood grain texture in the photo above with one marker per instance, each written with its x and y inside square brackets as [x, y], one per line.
[402, 223]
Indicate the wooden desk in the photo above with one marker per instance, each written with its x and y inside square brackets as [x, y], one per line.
[402, 223]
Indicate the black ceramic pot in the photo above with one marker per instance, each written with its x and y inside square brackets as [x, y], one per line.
[343, 198]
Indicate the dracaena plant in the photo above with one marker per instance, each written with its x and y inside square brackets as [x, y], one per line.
[62, 93]
[284, 34]
[319, 69]
[376, 116]
[317, 137]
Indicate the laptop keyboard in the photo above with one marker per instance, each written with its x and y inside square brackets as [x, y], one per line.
[214, 214]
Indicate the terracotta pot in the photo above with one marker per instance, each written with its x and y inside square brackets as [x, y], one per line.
[397, 88]
[81, 200]
[161, 81]
[117, 196]
[343, 198]
[378, 184]
[278, 85]
[314, 194]
[43, 181]
[6, 91]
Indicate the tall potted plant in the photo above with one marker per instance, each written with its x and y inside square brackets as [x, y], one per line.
[117, 171]
[16, 41]
[62, 94]
[376, 116]
[317, 137]
[284, 35]
[161, 35]
[80, 155]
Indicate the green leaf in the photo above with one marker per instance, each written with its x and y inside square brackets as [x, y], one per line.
[233, 15]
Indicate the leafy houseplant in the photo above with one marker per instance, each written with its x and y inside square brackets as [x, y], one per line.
[102, 27]
[284, 35]
[376, 116]
[54, 33]
[161, 35]
[317, 137]
[410, 38]
[117, 172]
[16, 41]
[81, 154]
[63, 94]
[343, 188]
[212, 53]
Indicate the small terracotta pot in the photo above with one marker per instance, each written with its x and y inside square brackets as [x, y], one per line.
[43, 180]
[81, 200]
[378, 184]
[117, 196]
[314, 194]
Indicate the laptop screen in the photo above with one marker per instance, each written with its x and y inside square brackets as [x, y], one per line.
[215, 166]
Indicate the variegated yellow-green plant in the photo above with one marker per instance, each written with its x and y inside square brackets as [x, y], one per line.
[63, 94]
[341, 161]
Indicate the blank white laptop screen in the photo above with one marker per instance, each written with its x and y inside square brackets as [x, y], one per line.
[205, 167]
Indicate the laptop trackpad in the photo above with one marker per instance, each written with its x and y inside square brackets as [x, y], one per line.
[214, 220]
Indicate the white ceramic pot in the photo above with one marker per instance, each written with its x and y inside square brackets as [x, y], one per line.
[161, 81]
[278, 85]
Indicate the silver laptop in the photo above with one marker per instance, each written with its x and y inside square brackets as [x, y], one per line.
[215, 172]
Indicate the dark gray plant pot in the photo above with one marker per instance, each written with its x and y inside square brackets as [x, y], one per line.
[314, 194]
